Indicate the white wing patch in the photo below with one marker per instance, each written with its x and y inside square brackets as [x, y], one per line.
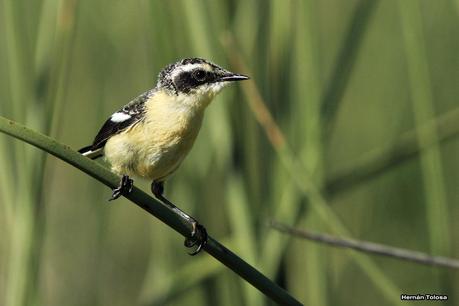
[120, 117]
[92, 153]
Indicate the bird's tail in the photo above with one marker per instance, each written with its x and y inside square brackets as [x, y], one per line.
[92, 154]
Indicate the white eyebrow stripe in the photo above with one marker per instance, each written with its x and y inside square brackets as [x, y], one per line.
[189, 67]
[120, 117]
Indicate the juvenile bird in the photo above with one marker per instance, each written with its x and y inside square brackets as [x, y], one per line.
[151, 135]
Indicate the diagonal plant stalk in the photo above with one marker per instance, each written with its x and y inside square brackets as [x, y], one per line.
[367, 246]
[155, 208]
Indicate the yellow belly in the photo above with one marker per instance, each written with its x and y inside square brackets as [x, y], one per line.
[155, 147]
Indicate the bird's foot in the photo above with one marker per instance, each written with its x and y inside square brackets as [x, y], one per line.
[125, 187]
[198, 238]
[157, 188]
[198, 235]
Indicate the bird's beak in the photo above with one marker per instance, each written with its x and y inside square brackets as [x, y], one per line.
[230, 76]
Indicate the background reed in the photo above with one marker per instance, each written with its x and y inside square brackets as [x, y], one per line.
[341, 79]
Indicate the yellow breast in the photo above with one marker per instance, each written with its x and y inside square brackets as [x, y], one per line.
[155, 147]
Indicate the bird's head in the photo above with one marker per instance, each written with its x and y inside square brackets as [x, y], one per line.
[196, 79]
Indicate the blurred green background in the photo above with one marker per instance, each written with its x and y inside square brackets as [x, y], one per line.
[354, 86]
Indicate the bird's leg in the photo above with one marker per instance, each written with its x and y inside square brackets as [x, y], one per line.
[198, 234]
[125, 187]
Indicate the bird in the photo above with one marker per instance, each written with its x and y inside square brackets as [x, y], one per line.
[150, 136]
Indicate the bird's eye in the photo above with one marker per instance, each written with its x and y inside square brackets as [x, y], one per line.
[200, 75]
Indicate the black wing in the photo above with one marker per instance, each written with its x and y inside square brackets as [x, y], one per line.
[130, 114]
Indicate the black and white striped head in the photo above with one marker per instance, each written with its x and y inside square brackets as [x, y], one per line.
[196, 76]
